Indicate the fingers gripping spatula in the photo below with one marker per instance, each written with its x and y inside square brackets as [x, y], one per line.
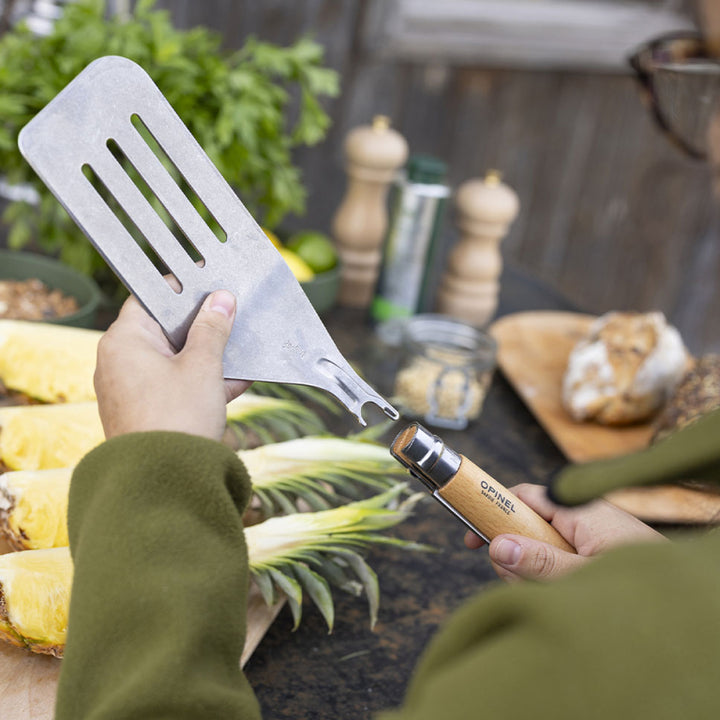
[277, 336]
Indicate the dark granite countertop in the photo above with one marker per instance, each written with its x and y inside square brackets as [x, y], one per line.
[355, 672]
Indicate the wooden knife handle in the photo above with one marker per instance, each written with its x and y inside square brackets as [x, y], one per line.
[493, 509]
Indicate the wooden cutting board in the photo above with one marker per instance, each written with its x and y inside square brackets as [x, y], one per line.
[533, 349]
[28, 681]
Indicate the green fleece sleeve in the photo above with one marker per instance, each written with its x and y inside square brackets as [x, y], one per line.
[157, 615]
[692, 453]
[634, 634]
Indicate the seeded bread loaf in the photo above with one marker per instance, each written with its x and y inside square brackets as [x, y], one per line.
[697, 393]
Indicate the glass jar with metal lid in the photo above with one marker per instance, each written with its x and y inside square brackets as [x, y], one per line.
[445, 371]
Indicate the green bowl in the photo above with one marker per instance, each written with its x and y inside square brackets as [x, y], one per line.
[322, 290]
[57, 276]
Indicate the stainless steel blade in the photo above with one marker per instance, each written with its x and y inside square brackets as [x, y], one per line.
[277, 336]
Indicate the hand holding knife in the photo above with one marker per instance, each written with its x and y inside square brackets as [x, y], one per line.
[473, 496]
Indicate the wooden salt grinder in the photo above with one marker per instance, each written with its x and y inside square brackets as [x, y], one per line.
[374, 153]
[469, 287]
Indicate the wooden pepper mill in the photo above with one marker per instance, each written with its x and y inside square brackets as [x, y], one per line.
[374, 153]
[470, 285]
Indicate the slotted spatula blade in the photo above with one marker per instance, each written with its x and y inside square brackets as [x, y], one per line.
[277, 336]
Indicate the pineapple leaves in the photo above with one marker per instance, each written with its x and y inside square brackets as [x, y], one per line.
[320, 472]
[318, 590]
[311, 551]
[338, 573]
[373, 433]
[270, 419]
[293, 592]
[267, 588]
[369, 581]
[298, 392]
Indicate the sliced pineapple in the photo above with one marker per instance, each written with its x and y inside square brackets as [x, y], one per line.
[311, 551]
[40, 437]
[52, 363]
[289, 554]
[314, 473]
[35, 598]
[33, 508]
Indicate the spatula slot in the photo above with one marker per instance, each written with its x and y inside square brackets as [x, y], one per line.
[131, 228]
[195, 200]
[155, 203]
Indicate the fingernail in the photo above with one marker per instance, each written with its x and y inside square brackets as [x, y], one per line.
[507, 552]
[221, 301]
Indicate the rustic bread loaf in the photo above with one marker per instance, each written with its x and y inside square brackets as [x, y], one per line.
[625, 368]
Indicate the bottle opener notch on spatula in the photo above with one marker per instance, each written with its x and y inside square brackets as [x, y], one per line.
[278, 336]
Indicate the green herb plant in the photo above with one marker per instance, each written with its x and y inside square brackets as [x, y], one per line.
[237, 105]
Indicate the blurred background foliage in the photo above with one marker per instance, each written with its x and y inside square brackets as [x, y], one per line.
[249, 109]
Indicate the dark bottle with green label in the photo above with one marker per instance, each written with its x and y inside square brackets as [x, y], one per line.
[416, 209]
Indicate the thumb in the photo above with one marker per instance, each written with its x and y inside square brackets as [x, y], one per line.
[517, 556]
[211, 328]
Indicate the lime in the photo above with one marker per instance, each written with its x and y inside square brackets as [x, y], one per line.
[300, 269]
[315, 248]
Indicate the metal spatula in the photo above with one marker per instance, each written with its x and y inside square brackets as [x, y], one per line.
[277, 336]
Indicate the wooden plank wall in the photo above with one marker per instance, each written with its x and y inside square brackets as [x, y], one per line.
[612, 214]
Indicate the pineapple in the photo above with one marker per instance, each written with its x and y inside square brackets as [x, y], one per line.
[318, 470]
[313, 550]
[35, 598]
[24, 365]
[51, 363]
[39, 437]
[33, 508]
[290, 553]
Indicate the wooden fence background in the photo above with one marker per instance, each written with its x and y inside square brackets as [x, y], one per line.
[611, 214]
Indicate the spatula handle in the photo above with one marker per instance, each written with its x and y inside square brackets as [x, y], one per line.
[493, 509]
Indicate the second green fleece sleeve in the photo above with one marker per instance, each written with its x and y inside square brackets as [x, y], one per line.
[634, 634]
[157, 615]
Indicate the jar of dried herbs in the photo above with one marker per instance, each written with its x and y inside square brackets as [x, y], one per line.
[445, 371]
